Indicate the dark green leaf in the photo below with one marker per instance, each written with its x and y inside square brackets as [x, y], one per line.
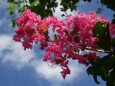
[10, 1]
[113, 43]
[90, 70]
[95, 79]
[99, 10]
[11, 12]
[13, 23]
[101, 30]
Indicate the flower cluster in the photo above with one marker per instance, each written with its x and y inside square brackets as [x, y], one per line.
[30, 29]
[73, 38]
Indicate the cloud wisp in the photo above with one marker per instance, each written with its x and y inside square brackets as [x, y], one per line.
[13, 53]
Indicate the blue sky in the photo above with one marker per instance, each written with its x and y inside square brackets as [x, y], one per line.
[25, 68]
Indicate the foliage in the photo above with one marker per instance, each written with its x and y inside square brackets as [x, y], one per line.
[48, 6]
[101, 30]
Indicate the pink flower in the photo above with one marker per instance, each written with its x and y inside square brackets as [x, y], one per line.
[112, 30]
[54, 48]
[65, 69]
[43, 45]
[65, 72]
[73, 35]
[84, 23]
[38, 38]
[27, 31]
[47, 57]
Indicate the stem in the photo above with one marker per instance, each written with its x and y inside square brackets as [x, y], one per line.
[100, 51]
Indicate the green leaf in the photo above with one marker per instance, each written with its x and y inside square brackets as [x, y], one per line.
[93, 71]
[11, 12]
[113, 43]
[105, 68]
[112, 76]
[10, 1]
[35, 3]
[12, 7]
[90, 70]
[95, 78]
[110, 83]
[55, 37]
[99, 10]
[13, 22]
[101, 30]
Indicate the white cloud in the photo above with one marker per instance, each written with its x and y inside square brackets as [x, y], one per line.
[53, 75]
[14, 53]
[48, 72]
